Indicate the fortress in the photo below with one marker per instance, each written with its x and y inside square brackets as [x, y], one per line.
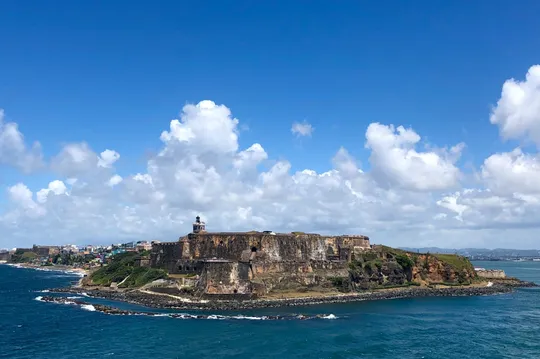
[249, 264]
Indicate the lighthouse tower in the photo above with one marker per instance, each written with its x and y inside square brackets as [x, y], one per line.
[199, 226]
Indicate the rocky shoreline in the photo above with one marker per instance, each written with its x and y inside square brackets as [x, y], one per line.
[116, 311]
[173, 302]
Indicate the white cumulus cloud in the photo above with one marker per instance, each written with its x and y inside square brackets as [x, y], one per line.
[107, 158]
[512, 172]
[56, 187]
[302, 129]
[396, 161]
[13, 150]
[408, 195]
[517, 113]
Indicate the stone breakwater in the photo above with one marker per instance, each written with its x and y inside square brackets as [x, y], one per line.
[116, 311]
[170, 302]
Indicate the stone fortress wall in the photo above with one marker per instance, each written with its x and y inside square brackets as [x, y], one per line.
[490, 273]
[249, 263]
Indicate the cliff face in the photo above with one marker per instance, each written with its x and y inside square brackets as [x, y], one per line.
[258, 264]
[187, 255]
[387, 267]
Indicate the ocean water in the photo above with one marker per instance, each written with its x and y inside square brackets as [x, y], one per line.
[500, 326]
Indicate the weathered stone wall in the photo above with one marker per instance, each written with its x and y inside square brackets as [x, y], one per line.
[491, 273]
[165, 255]
[142, 261]
[255, 262]
[279, 247]
[44, 251]
[225, 277]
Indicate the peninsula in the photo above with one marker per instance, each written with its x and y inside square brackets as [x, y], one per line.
[224, 270]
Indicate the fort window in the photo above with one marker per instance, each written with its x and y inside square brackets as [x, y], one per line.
[220, 243]
[187, 268]
[253, 249]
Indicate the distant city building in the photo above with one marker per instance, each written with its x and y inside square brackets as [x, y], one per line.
[144, 246]
[44, 251]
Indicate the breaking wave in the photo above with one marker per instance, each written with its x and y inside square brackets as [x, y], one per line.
[88, 307]
[115, 311]
[63, 272]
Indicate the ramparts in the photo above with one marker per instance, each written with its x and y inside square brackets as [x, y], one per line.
[246, 263]
[490, 273]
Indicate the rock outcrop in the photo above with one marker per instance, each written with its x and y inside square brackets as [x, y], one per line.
[388, 267]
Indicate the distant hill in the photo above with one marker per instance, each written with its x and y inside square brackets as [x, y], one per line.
[480, 252]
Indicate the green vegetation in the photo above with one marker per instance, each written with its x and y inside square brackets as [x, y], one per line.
[369, 256]
[342, 284]
[426, 262]
[404, 261]
[386, 267]
[458, 263]
[69, 259]
[142, 275]
[23, 257]
[122, 267]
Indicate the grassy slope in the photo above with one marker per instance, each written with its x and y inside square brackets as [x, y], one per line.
[371, 262]
[457, 262]
[123, 266]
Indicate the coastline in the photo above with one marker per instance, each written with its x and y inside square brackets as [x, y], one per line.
[150, 299]
[163, 301]
[56, 268]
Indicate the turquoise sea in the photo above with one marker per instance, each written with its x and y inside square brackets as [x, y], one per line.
[501, 326]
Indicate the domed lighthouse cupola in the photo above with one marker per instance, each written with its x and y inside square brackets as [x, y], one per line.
[199, 226]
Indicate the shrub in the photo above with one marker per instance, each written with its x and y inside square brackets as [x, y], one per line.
[142, 275]
[456, 262]
[404, 261]
[342, 284]
[122, 266]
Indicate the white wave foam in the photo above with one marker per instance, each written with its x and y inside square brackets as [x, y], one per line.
[91, 308]
[240, 316]
[39, 298]
[44, 291]
[76, 273]
[15, 265]
[69, 272]
[88, 307]
[245, 317]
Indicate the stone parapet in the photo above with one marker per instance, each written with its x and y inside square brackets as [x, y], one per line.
[490, 273]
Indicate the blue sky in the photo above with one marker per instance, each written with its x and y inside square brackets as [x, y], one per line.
[114, 74]
[99, 71]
